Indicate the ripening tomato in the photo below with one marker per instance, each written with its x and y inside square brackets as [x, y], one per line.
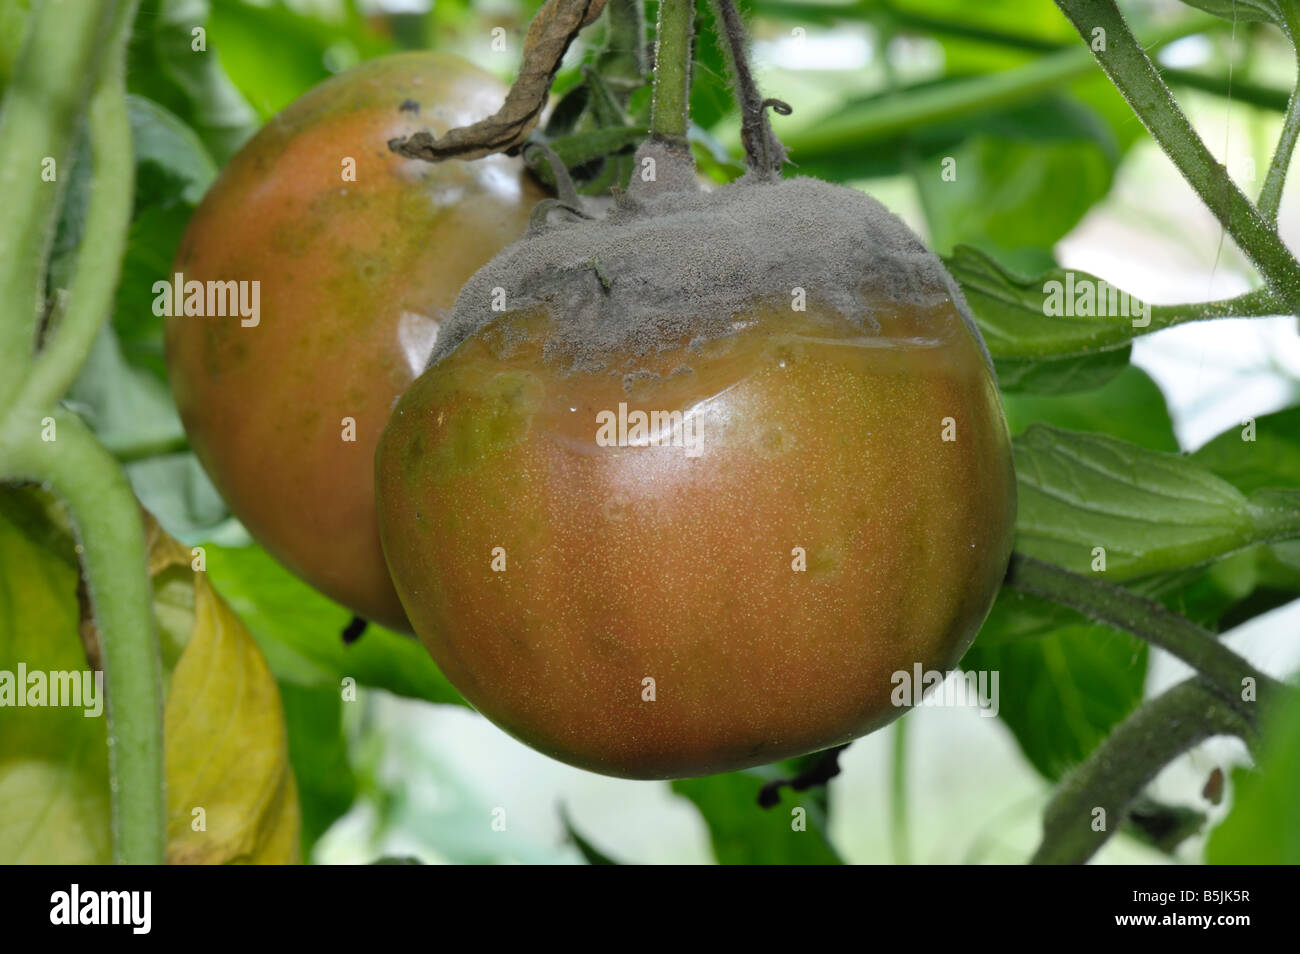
[735, 577]
[356, 254]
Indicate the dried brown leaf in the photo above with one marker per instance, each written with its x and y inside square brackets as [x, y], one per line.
[552, 30]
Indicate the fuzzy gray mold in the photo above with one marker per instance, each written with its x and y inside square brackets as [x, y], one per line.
[670, 264]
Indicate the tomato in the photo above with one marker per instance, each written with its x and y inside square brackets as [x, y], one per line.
[682, 595]
[357, 254]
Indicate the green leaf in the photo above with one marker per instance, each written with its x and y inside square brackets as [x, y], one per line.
[177, 490]
[173, 170]
[13, 28]
[129, 409]
[590, 853]
[318, 751]
[1048, 316]
[53, 759]
[1061, 376]
[300, 630]
[1263, 827]
[1151, 512]
[165, 66]
[577, 148]
[1260, 454]
[1258, 11]
[1107, 409]
[1066, 330]
[743, 833]
[151, 246]
[1062, 693]
[274, 54]
[166, 151]
[1263, 452]
[1006, 192]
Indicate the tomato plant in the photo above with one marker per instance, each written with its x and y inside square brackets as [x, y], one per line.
[882, 541]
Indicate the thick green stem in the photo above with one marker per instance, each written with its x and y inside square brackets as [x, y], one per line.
[107, 519]
[65, 456]
[45, 96]
[917, 108]
[1148, 620]
[670, 109]
[1131, 70]
[1095, 798]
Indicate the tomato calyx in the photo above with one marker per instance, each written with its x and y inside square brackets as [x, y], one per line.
[670, 266]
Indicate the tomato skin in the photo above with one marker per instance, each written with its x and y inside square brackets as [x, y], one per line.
[630, 563]
[354, 278]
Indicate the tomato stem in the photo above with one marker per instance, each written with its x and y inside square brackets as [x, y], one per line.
[1270, 196]
[104, 511]
[762, 149]
[1118, 770]
[60, 55]
[53, 446]
[622, 63]
[1126, 63]
[670, 107]
[1148, 620]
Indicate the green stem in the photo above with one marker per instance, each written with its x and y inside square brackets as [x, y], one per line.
[130, 453]
[921, 107]
[74, 465]
[107, 519]
[1114, 775]
[1146, 619]
[670, 108]
[1270, 196]
[99, 262]
[1131, 70]
[898, 795]
[622, 63]
[1260, 303]
[59, 59]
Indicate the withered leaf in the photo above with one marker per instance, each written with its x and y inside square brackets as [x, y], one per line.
[224, 729]
[552, 30]
[226, 750]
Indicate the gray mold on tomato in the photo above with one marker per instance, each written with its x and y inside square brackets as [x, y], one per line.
[670, 265]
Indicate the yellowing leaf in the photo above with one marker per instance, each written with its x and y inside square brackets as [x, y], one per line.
[226, 752]
[226, 749]
[53, 759]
